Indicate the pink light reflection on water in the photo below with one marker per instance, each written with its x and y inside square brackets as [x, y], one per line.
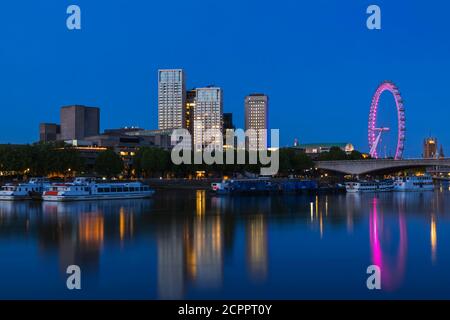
[392, 270]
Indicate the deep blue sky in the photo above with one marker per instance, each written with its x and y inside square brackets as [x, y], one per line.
[315, 59]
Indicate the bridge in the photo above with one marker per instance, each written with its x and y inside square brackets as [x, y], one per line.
[358, 167]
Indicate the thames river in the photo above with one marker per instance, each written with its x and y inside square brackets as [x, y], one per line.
[193, 245]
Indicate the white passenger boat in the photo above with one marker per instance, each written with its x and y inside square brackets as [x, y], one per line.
[414, 183]
[88, 189]
[33, 189]
[369, 186]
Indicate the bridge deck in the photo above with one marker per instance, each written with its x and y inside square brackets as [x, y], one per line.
[357, 167]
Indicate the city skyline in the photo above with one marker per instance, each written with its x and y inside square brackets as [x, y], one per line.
[314, 64]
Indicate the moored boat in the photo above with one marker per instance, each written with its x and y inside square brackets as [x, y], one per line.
[414, 183]
[33, 189]
[263, 186]
[82, 189]
[369, 186]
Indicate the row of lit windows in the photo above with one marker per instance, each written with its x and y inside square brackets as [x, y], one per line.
[124, 189]
[171, 76]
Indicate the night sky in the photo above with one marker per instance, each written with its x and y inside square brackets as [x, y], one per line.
[316, 60]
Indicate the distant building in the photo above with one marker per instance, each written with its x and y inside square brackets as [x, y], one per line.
[157, 138]
[228, 127]
[317, 148]
[228, 121]
[441, 171]
[189, 110]
[122, 131]
[256, 118]
[430, 146]
[79, 122]
[441, 152]
[171, 99]
[126, 142]
[49, 132]
[208, 118]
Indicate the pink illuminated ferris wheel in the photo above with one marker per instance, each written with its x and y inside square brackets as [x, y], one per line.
[375, 131]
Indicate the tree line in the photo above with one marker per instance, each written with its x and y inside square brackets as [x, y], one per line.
[337, 153]
[39, 159]
[45, 159]
[154, 162]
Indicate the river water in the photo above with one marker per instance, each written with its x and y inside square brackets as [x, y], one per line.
[192, 245]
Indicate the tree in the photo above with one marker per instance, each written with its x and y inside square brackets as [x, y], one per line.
[151, 161]
[301, 162]
[355, 155]
[294, 161]
[108, 164]
[335, 153]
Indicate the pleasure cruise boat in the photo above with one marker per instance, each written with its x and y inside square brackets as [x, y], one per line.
[369, 186]
[414, 183]
[82, 189]
[33, 189]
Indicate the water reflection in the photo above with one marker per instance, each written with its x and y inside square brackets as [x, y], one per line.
[433, 237]
[190, 250]
[392, 269]
[78, 231]
[257, 255]
[200, 201]
[195, 244]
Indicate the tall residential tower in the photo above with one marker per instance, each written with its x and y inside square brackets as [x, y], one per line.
[171, 99]
[208, 118]
[256, 118]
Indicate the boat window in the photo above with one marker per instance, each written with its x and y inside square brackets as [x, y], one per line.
[113, 189]
[126, 189]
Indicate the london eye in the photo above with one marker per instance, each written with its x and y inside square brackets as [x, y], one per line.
[375, 130]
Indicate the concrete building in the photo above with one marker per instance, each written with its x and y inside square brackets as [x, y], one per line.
[49, 132]
[79, 122]
[430, 146]
[158, 138]
[208, 118]
[126, 142]
[256, 118]
[171, 99]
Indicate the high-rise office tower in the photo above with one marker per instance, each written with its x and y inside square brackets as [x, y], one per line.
[256, 118]
[171, 99]
[208, 118]
[430, 148]
[78, 122]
